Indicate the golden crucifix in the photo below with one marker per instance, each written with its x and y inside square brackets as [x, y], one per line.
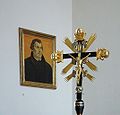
[79, 59]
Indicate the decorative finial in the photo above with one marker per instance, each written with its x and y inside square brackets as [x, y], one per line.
[80, 34]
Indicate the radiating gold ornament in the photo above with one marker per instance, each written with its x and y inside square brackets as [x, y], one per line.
[69, 44]
[89, 42]
[68, 67]
[91, 65]
[90, 77]
[70, 76]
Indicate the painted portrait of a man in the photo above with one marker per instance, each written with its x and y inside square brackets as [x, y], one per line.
[37, 69]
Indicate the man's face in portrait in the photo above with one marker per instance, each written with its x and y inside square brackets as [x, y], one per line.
[37, 50]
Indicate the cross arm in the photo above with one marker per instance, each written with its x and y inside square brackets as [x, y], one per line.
[83, 54]
[99, 54]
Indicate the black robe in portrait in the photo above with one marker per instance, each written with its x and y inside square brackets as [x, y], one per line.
[38, 71]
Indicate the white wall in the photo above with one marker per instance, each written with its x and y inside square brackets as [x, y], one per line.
[102, 17]
[48, 16]
[60, 18]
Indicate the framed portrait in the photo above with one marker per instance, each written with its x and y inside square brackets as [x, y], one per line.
[37, 69]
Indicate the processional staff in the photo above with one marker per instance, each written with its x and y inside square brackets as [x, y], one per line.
[79, 59]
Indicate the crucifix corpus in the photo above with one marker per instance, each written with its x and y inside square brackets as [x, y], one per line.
[79, 59]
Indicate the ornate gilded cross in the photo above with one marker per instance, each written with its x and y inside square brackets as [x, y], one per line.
[79, 59]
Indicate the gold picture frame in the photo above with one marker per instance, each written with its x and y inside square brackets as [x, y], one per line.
[37, 69]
